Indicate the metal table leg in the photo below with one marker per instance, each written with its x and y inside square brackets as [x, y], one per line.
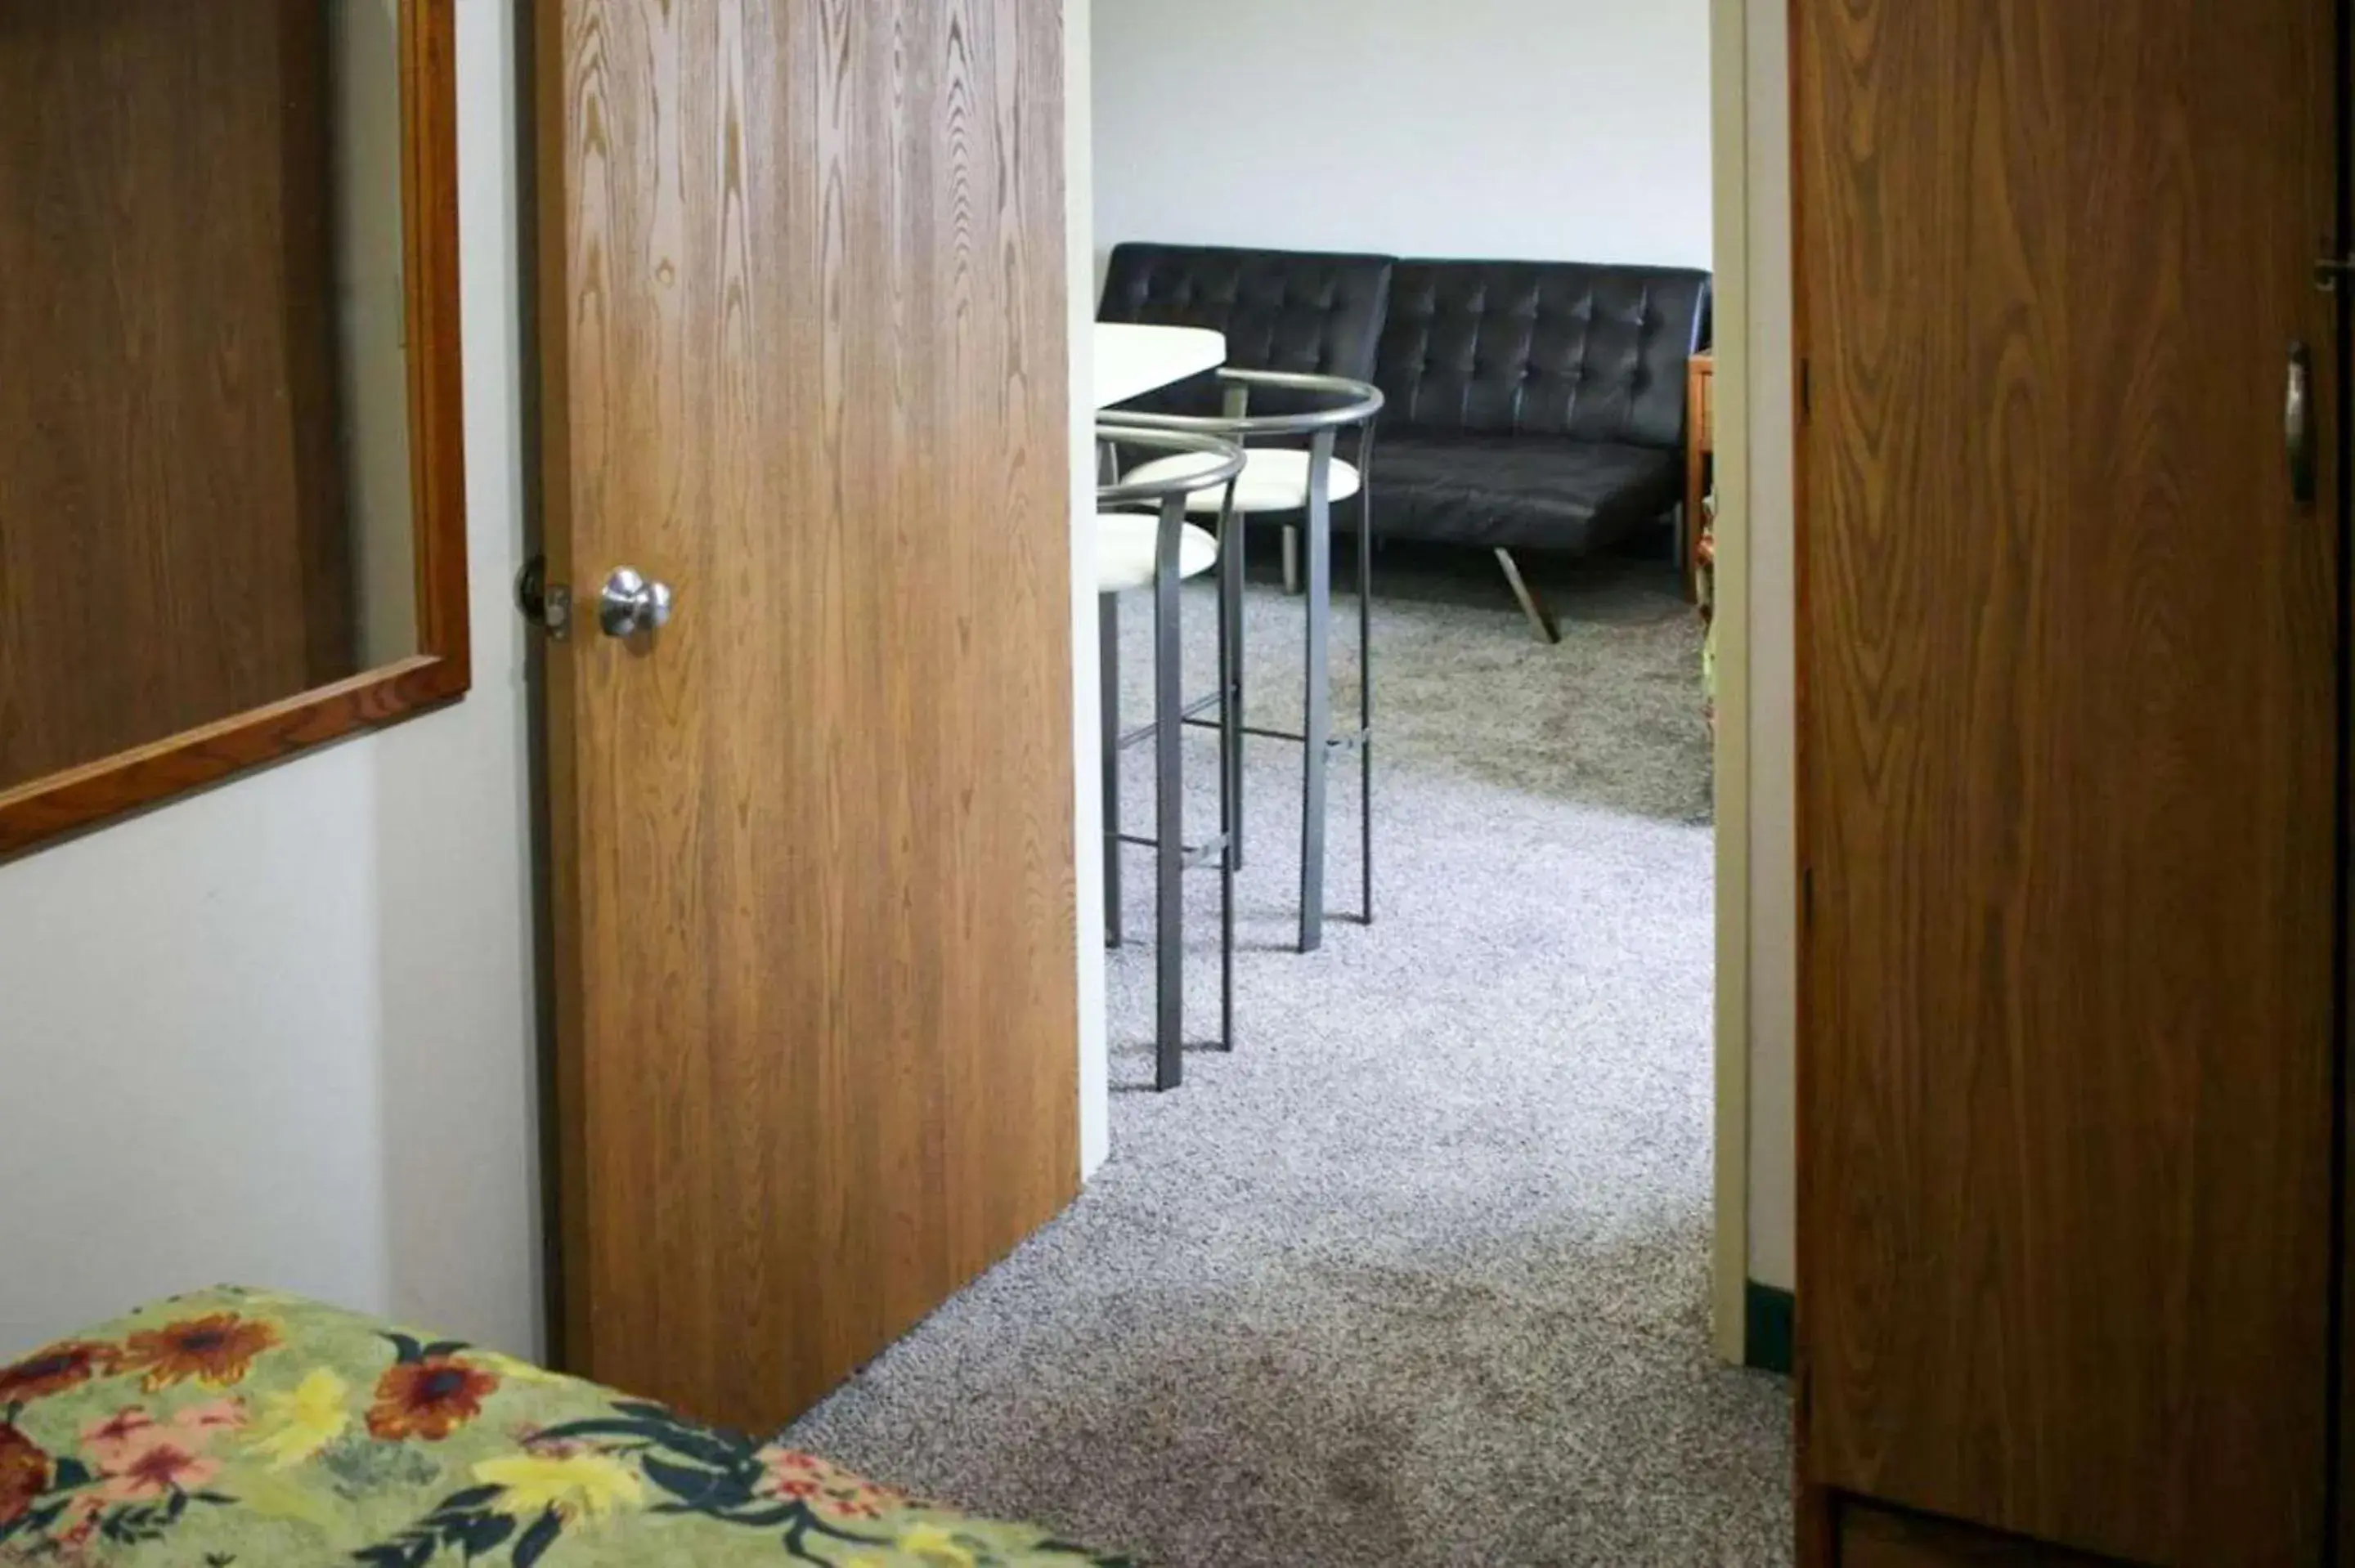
[1317, 734]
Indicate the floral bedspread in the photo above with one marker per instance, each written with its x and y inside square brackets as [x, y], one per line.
[239, 1429]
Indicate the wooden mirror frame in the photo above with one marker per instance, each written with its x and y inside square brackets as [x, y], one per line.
[43, 809]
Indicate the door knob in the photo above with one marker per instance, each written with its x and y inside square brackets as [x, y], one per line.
[630, 604]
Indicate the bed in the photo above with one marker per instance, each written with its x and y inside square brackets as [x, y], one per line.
[245, 1429]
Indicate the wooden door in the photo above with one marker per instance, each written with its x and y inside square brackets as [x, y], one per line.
[813, 840]
[174, 548]
[2068, 682]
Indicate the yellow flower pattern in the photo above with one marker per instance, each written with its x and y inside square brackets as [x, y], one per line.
[935, 1546]
[300, 1422]
[511, 1370]
[576, 1485]
[230, 1427]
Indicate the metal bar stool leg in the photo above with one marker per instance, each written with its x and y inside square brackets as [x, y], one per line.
[1243, 678]
[1229, 798]
[1234, 563]
[1108, 706]
[1170, 803]
[1317, 734]
[1365, 668]
[1230, 680]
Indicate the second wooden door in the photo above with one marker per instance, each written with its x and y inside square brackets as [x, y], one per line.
[2070, 636]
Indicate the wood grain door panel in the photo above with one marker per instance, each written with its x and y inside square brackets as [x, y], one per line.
[2068, 671]
[816, 1009]
[1881, 1538]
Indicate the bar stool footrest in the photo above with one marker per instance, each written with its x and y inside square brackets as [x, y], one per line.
[1341, 740]
[1191, 857]
[1186, 714]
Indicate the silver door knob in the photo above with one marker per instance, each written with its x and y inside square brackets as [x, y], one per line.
[630, 604]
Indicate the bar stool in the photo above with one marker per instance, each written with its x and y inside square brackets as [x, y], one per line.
[1160, 552]
[1290, 479]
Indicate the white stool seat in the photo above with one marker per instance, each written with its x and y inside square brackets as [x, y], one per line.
[1127, 545]
[1275, 479]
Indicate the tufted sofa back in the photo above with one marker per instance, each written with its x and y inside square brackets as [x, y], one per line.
[1563, 348]
[1301, 310]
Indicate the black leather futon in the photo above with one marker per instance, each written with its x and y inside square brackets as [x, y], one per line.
[1309, 312]
[1533, 405]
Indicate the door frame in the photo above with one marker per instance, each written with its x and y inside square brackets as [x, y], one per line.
[1729, 417]
[1754, 1263]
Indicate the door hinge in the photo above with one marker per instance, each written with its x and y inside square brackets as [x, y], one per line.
[2330, 271]
[546, 605]
[1807, 390]
[1807, 896]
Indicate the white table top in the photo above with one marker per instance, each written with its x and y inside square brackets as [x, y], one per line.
[1134, 360]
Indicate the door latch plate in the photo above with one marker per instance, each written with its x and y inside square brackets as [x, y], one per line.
[546, 605]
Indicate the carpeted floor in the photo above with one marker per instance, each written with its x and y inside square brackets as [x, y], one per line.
[1418, 1276]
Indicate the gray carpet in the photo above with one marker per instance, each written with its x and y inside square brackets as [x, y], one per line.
[1420, 1273]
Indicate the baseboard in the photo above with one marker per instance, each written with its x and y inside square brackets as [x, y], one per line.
[1766, 1327]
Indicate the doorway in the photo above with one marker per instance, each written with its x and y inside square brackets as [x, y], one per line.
[1539, 1253]
[1221, 1354]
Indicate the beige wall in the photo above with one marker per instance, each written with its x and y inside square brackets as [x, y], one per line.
[282, 1032]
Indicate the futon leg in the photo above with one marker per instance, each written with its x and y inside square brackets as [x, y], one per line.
[1531, 605]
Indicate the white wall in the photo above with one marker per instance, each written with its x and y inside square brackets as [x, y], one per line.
[281, 1033]
[1544, 129]
[1078, 218]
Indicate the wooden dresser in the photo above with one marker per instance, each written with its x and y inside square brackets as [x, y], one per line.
[2071, 1082]
[1700, 449]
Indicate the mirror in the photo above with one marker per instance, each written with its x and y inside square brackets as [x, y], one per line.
[231, 521]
